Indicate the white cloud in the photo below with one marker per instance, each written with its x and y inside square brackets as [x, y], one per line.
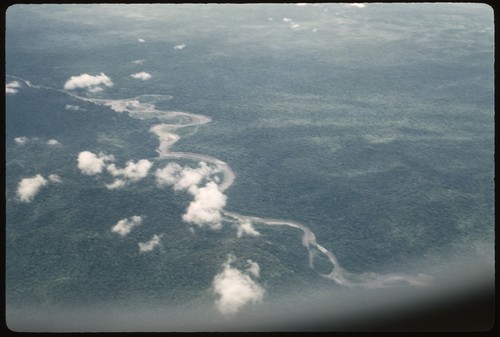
[315, 30]
[72, 107]
[11, 87]
[206, 206]
[141, 76]
[180, 47]
[118, 183]
[90, 164]
[235, 289]
[141, 40]
[246, 228]
[150, 245]
[138, 61]
[124, 226]
[21, 140]
[132, 171]
[270, 19]
[208, 200]
[190, 176]
[292, 24]
[358, 5]
[89, 82]
[53, 142]
[55, 178]
[253, 268]
[168, 175]
[29, 187]
[183, 178]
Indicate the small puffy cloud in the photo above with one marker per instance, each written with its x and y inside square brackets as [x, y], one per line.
[141, 40]
[358, 5]
[148, 246]
[72, 107]
[55, 178]
[12, 87]
[53, 142]
[235, 289]
[141, 76]
[183, 178]
[29, 187]
[124, 226]
[206, 207]
[245, 228]
[208, 200]
[190, 176]
[168, 175]
[21, 140]
[315, 30]
[132, 171]
[92, 83]
[253, 268]
[138, 61]
[90, 163]
[270, 19]
[118, 183]
[292, 24]
[180, 47]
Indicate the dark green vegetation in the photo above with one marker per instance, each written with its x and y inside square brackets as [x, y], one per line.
[375, 131]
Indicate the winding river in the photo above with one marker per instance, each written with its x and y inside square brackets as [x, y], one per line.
[143, 107]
